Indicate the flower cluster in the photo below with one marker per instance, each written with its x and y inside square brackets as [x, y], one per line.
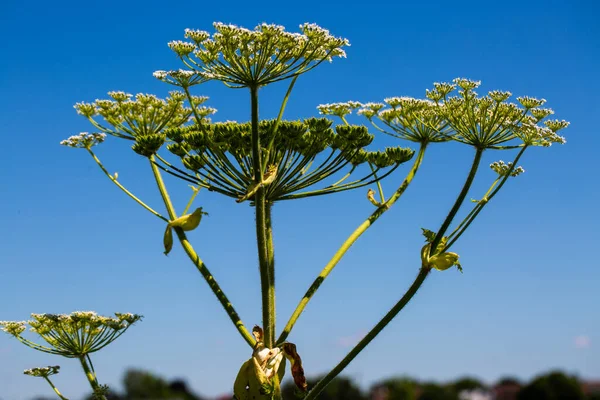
[14, 328]
[143, 119]
[502, 168]
[490, 121]
[181, 78]
[535, 135]
[242, 57]
[338, 109]
[408, 118]
[42, 372]
[75, 334]
[84, 140]
[220, 155]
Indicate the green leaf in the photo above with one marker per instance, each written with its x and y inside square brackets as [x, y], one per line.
[429, 235]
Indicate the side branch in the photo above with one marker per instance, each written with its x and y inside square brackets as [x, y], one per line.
[216, 289]
[423, 273]
[362, 228]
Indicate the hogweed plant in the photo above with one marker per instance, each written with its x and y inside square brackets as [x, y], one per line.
[76, 335]
[267, 161]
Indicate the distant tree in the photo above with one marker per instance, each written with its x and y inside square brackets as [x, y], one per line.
[507, 388]
[553, 386]
[179, 389]
[109, 396]
[509, 380]
[144, 385]
[434, 391]
[401, 388]
[467, 383]
[341, 388]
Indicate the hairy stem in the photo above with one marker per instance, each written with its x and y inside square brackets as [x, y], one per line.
[349, 242]
[371, 335]
[189, 250]
[266, 280]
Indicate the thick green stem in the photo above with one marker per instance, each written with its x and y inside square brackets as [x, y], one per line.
[459, 200]
[371, 335]
[271, 260]
[266, 280]
[59, 394]
[349, 242]
[189, 250]
[91, 376]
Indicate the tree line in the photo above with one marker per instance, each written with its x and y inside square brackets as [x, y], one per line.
[555, 385]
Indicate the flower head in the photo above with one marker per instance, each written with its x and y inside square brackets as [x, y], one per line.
[142, 118]
[502, 168]
[293, 146]
[242, 57]
[14, 328]
[490, 121]
[338, 109]
[533, 134]
[408, 118]
[84, 140]
[72, 335]
[42, 372]
[181, 78]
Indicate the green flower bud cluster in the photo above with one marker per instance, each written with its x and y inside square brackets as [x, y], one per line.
[147, 145]
[502, 168]
[73, 335]
[42, 372]
[221, 154]
[241, 57]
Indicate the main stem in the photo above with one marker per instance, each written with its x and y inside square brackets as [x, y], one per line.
[349, 242]
[91, 376]
[371, 335]
[263, 222]
[202, 268]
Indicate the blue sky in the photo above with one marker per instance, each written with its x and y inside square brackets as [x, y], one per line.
[527, 301]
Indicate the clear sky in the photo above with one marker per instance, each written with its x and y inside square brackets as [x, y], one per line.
[70, 240]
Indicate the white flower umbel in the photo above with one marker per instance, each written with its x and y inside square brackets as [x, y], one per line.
[42, 372]
[339, 109]
[491, 121]
[242, 57]
[181, 78]
[72, 335]
[45, 373]
[408, 118]
[84, 140]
